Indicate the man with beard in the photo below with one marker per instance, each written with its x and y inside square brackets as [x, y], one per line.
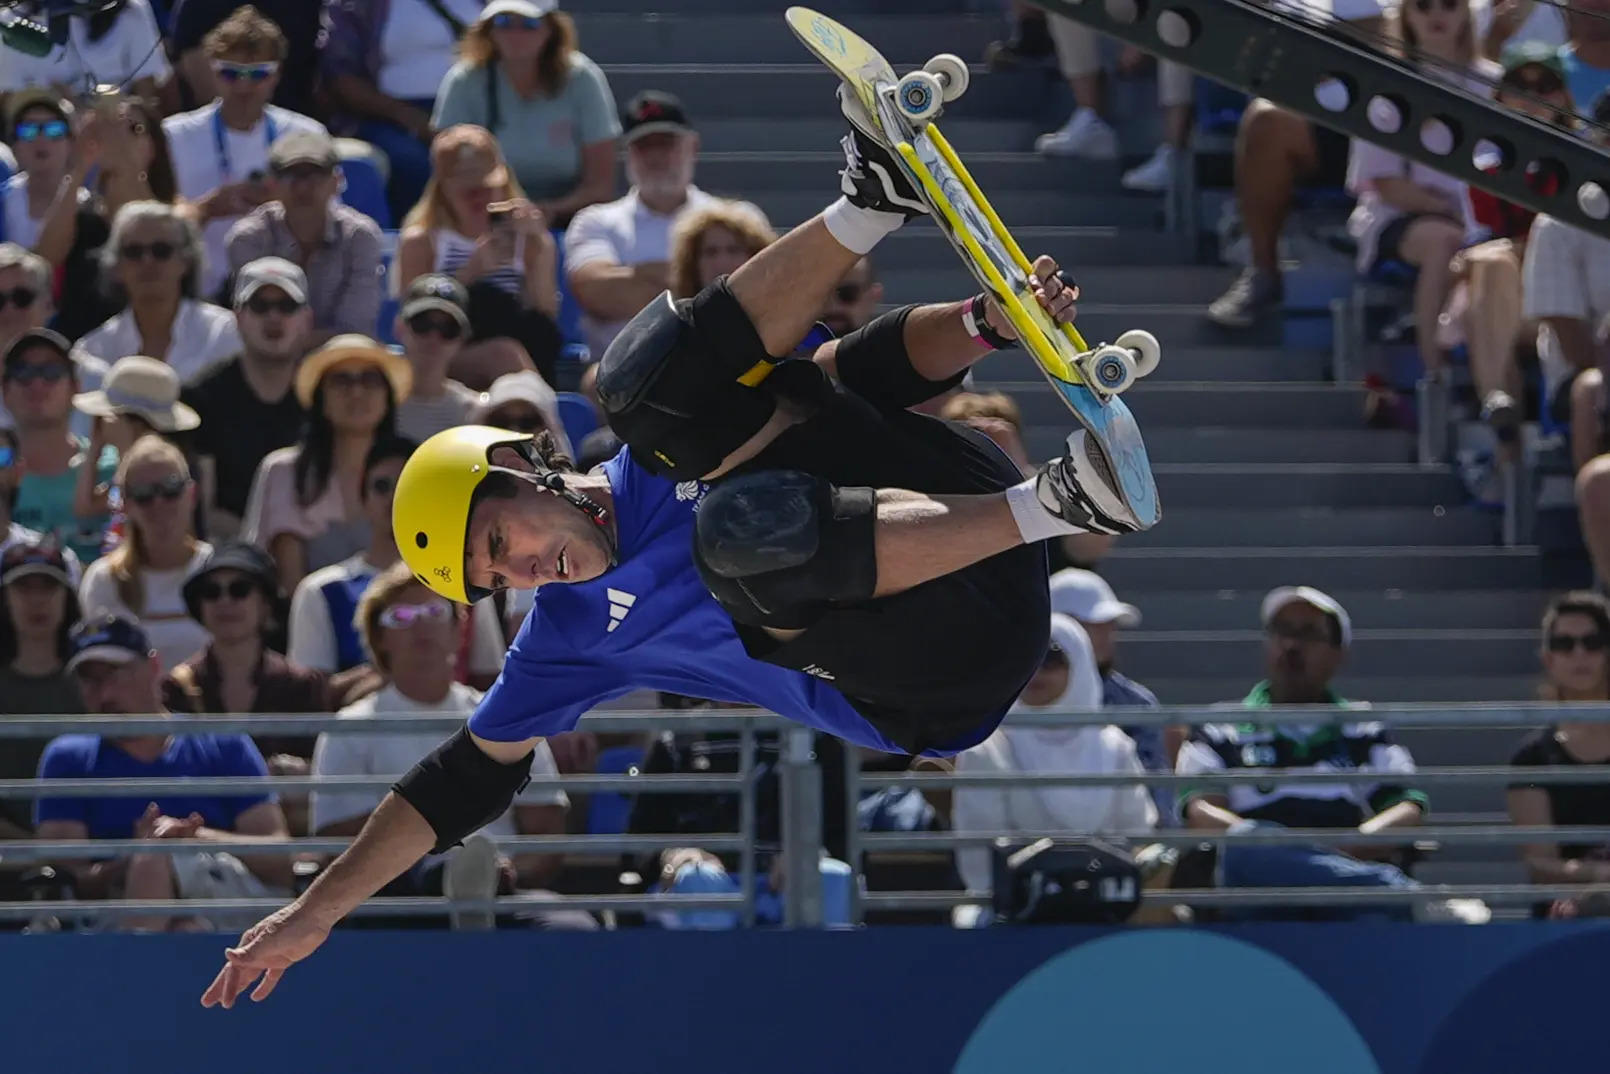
[246, 403]
[616, 253]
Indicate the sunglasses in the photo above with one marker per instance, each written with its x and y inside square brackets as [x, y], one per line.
[170, 488]
[350, 379]
[245, 72]
[1588, 643]
[518, 422]
[382, 485]
[262, 306]
[516, 22]
[303, 172]
[424, 324]
[1539, 84]
[406, 615]
[49, 130]
[239, 589]
[849, 292]
[50, 373]
[20, 297]
[1427, 6]
[137, 251]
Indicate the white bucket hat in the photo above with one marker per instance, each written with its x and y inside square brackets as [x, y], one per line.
[144, 387]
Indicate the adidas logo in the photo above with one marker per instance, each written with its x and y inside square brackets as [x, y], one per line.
[819, 672]
[620, 602]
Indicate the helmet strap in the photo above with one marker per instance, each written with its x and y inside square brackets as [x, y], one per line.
[546, 477]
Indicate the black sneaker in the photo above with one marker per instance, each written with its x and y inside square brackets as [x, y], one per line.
[1081, 489]
[1029, 44]
[872, 178]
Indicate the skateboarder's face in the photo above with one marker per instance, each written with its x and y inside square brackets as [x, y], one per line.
[531, 538]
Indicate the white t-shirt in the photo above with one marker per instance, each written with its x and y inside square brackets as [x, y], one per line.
[130, 50]
[174, 635]
[417, 48]
[312, 631]
[391, 755]
[623, 232]
[202, 335]
[201, 165]
[19, 227]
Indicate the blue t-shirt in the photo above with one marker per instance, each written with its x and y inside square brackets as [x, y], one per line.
[98, 757]
[1585, 82]
[648, 623]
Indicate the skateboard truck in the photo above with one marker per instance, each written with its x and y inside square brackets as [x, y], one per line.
[1111, 368]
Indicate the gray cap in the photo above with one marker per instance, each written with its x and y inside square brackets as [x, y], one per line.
[270, 272]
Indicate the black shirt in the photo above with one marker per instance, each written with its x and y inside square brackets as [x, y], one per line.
[238, 429]
[298, 20]
[1570, 803]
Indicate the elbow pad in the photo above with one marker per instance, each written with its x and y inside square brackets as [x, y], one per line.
[459, 790]
[873, 363]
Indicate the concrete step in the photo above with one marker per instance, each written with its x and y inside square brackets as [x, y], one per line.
[1267, 405]
[1304, 485]
[1393, 609]
[1115, 285]
[719, 37]
[781, 92]
[919, 244]
[1037, 206]
[1184, 361]
[1373, 652]
[1174, 689]
[1221, 444]
[995, 172]
[821, 132]
[1305, 527]
[1332, 569]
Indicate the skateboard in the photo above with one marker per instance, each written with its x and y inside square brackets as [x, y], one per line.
[1089, 379]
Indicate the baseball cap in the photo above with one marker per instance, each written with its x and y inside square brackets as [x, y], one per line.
[36, 97]
[37, 337]
[1086, 596]
[270, 272]
[654, 112]
[1281, 596]
[531, 9]
[1533, 53]
[435, 291]
[110, 639]
[240, 556]
[34, 557]
[303, 147]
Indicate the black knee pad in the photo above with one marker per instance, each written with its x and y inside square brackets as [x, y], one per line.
[680, 382]
[777, 546]
[872, 362]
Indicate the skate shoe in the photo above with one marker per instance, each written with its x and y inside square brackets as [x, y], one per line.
[1081, 489]
[872, 178]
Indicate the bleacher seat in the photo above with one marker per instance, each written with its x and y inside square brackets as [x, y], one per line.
[579, 415]
[363, 188]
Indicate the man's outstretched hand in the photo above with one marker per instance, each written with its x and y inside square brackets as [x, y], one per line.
[266, 950]
[1058, 299]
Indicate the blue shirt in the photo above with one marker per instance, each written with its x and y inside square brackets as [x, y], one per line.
[1585, 82]
[97, 757]
[1120, 691]
[648, 623]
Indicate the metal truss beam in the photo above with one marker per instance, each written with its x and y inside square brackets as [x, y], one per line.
[1286, 58]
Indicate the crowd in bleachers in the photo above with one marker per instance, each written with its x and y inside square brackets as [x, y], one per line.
[249, 260]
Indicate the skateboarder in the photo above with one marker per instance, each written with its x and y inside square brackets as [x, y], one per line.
[769, 538]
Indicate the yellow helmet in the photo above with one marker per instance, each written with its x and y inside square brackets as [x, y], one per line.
[430, 513]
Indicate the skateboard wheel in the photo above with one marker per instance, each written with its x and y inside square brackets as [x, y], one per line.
[1144, 346]
[1112, 368]
[920, 96]
[951, 70]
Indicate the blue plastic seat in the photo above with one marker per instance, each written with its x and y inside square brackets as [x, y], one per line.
[608, 812]
[364, 189]
[579, 415]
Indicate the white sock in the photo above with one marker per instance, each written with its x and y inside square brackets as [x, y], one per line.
[858, 230]
[1034, 521]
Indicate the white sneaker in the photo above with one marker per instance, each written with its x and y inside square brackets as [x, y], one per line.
[1156, 175]
[1085, 134]
[471, 872]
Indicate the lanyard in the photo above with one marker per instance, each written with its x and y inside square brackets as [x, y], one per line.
[222, 143]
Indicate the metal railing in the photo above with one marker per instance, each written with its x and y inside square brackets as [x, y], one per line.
[800, 790]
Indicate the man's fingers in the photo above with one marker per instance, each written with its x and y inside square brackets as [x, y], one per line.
[266, 985]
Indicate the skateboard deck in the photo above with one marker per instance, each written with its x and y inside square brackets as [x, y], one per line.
[989, 251]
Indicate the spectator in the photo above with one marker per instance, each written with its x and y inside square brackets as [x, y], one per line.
[1307, 638]
[1587, 52]
[854, 301]
[383, 61]
[14, 533]
[221, 148]
[521, 76]
[409, 635]
[37, 607]
[115, 43]
[141, 578]
[1576, 668]
[38, 380]
[117, 672]
[1086, 134]
[24, 298]
[247, 406]
[617, 253]
[995, 415]
[39, 127]
[1523, 22]
[474, 224]
[153, 260]
[523, 402]
[233, 595]
[713, 241]
[432, 326]
[337, 247]
[1408, 215]
[1067, 679]
[193, 20]
[306, 503]
[1275, 151]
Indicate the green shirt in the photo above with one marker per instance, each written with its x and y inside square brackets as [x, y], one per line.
[45, 503]
[541, 137]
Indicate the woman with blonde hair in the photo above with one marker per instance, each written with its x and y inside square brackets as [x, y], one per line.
[473, 223]
[713, 241]
[521, 76]
[144, 576]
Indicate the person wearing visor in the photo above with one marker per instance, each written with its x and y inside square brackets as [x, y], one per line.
[781, 532]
